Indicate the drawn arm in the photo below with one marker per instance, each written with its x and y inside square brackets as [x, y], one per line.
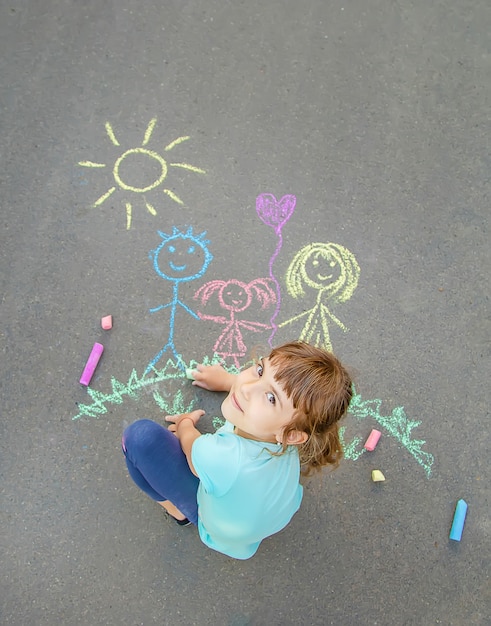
[254, 326]
[294, 319]
[220, 319]
[158, 308]
[186, 308]
[335, 319]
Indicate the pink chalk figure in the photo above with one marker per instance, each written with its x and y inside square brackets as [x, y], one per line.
[235, 297]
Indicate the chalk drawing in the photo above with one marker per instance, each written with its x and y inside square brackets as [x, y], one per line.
[275, 213]
[171, 371]
[396, 424]
[332, 271]
[350, 449]
[235, 297]
[135, 160]
[180, 257]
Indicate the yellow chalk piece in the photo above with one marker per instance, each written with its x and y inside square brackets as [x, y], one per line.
[377, 476]
[110, 132]
[176, 142]
[149, 131]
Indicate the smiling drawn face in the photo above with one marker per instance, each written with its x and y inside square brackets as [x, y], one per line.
[322, 269]
[235, 296]
[329, 268]
[181, 257]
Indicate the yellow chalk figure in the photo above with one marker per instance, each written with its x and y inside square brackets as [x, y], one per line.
[157, 162]
[333, 271]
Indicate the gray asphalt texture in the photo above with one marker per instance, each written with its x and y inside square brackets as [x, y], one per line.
[376, 116]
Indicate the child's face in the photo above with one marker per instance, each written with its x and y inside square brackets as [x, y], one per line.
[257, 405]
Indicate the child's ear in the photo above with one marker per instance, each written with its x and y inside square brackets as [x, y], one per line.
[296, 437]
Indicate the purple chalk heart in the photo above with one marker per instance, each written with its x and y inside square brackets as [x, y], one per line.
[275, 212]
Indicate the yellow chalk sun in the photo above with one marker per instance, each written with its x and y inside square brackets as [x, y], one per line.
[122, 170]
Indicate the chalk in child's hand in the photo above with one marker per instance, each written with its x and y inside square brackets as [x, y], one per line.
[107, 322]
[189, 373]
[91, 364]
[372, 440]
[377, 476]
[458, 520]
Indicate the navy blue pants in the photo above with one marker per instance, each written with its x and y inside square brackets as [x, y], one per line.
[158, 466]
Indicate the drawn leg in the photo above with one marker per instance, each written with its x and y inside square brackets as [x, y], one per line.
[178, 357]
[157, 358]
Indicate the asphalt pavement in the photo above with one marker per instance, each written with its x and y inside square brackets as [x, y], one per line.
[327, 165]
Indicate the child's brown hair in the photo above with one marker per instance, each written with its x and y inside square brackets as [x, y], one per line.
[321, 389]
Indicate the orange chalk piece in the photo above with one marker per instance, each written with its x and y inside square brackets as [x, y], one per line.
[372, 440]
[107, 322]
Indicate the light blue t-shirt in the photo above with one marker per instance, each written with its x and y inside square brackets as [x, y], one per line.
[245, 493]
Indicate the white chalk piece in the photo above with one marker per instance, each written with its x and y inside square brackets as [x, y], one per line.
[92, 362]
[372, 440]
[107, 322]
[458, 520]
[377, 476]
[189, 373]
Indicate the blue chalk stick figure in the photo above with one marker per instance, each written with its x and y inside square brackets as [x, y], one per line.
[180, 257]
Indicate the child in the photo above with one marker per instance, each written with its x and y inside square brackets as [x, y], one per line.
[241, 484]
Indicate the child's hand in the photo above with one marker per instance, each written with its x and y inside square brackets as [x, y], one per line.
[213, 378]
[194, 416]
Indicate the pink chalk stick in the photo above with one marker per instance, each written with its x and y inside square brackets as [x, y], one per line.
[107, 322]
[89, 369]
[372, 440]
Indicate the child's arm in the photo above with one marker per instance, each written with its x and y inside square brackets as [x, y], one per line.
[184, 428]
[213, 378]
